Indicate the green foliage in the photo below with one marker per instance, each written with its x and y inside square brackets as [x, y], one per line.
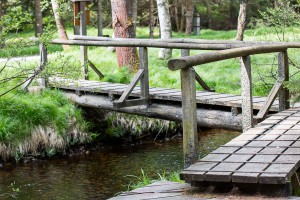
[144, 179]
[280, 17]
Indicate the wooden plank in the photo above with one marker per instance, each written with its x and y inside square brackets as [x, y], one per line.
[239, 177]
[218, 176]
[253, 167]
[189, 119]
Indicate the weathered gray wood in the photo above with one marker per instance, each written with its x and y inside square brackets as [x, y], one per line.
[131, 86]
[185, 52]
[190, 61]
[205, 117]
[143, 43]
[129, 103]
[83, 49]
[283, 75]
[176, 40]
[202, 83]
[247, 105]
[98, 72]
[189, 121]
[143, 56]
[170, 95]
[270, 99]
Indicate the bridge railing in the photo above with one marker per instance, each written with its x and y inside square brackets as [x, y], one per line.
[186, 64]
[142, 75]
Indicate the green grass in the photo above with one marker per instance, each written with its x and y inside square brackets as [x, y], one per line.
[25, 118]
[144, 179]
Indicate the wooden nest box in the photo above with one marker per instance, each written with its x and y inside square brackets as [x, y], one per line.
[80, 9]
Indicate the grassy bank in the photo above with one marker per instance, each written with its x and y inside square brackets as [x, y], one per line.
[38, 125]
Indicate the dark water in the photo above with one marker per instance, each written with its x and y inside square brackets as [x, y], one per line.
[101, 174]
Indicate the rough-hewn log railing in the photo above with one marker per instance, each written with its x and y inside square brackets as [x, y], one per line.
[186, 64]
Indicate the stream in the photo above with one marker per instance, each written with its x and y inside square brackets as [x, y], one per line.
[100, 174]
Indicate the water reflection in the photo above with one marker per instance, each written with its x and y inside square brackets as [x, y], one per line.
[100, 174]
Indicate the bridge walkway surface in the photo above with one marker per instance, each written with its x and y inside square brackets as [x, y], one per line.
[163, 94]
[264, 156]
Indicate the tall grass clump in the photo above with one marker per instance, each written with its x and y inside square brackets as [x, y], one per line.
[144, 179]
[38, 123]
[137, 127]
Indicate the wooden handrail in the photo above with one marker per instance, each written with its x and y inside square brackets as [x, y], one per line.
[172, 40]
[190, 61]
[141, 43]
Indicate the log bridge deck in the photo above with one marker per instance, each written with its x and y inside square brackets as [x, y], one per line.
[215, 106]
[264, 156]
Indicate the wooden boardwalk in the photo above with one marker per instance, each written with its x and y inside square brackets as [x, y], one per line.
[158, 94]
[268, 154]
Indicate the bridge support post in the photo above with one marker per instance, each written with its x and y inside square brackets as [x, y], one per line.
[189, 117]
[246, 82]
[143, 54]
[283, 75]
[83, 49]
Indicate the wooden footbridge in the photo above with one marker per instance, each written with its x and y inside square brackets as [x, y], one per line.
[264, 155]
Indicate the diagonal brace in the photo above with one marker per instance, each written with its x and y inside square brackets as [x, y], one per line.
[270, 100]
[130, 87]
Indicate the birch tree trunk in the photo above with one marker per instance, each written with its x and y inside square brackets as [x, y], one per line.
[165, 26]
[122, 21]
[60, 27]
[242, 20]
[151, 19]
[189, 16]
[99, 15]
[38, 18]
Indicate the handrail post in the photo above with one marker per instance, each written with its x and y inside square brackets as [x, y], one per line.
[83, 49]
[143, 55]
[44, 60]
[185, 52]
[189, 116]
[246, 83]
[283, 75]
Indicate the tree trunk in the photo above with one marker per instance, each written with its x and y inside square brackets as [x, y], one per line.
[209, 20]
[100, 21]
[122, 21]
[38, 18]
[151, 20]
[60, 27]
[134, 13]
[189, 16]
[242, 20]
[165, 26]
[1, 11]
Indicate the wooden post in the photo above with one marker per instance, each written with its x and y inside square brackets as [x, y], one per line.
[283, 75]
[185, 52]
[44, 60]
[143, 51]
[83, 49]
[246, 82]
[189, 117]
